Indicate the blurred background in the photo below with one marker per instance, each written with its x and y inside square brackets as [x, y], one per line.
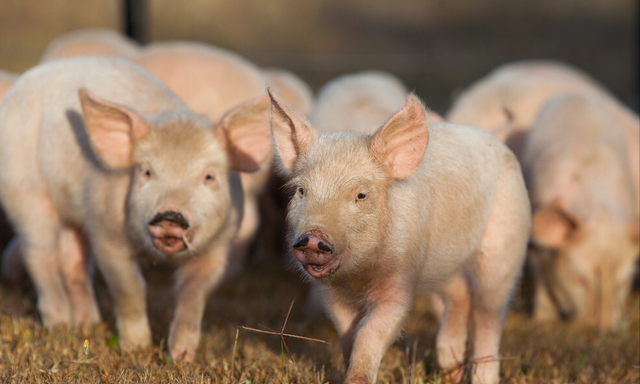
[436, 47]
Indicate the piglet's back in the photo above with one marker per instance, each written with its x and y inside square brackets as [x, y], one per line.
[56, 84]
[42, 115]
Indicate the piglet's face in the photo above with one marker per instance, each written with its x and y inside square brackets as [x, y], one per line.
[339, 214]
[339, 208]
[180, 195]
[184, 192]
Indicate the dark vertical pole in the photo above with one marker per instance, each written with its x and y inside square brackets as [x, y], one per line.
[135, 19]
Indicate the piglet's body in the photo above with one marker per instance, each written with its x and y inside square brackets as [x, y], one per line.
[90, 42]
[131, 172]
[358, 102]
[411, 208]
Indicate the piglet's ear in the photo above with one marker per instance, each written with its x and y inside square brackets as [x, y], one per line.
[245, 131]
[554, 226]
[291, 132]
[401, 142]
[112, 128]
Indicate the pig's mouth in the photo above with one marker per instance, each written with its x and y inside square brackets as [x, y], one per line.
[324, 270]
[316, 256]
[169, 245]
[170, 232]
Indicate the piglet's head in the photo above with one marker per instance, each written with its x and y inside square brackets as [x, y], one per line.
[587, 265]
[184, 193]
[339, 215]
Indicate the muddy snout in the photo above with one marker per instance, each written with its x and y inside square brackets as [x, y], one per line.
[316, 255]
[170, 231]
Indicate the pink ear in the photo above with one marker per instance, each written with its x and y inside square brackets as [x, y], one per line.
[401, 142]
[553, 226]
[246, 131]
[291, 131]
[113, 129]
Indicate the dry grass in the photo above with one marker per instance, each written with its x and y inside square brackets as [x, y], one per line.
[534, 353]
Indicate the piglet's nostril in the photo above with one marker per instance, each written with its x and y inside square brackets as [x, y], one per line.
[324, 247]
[171, 216]
[301, 242]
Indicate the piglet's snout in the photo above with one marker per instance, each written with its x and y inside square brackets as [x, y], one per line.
[312, 249]
[169, 229]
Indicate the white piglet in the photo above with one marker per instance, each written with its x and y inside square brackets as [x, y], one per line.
[99, 156]
[413, 207]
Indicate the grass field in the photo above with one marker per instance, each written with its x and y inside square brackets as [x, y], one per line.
[532, 352]
[436, 48]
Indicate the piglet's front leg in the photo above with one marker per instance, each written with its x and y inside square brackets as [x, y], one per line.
[377, 330]
[115, 259]
[195, 280]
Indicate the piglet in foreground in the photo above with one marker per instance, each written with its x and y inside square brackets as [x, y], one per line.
[411, 208]
[213, 81]
[99, 156]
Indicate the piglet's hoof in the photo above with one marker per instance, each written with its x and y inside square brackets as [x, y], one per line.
[455, 374]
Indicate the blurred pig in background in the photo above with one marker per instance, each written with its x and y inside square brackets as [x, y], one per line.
[585, 221]
[508, 99]
[508, 102]
[90, 42]
[291, 88]
[359, 102]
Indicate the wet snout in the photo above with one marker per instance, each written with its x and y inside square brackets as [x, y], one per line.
[170, 231]
[316, 254]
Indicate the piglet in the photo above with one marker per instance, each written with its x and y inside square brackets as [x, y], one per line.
[413, 207]
[100, 157]
[356, 102]
[585, 220]
[213, 81]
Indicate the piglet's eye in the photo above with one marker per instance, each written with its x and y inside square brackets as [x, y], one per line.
[209, 177]
[361, 196]
[301, 191]
[147, 173]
